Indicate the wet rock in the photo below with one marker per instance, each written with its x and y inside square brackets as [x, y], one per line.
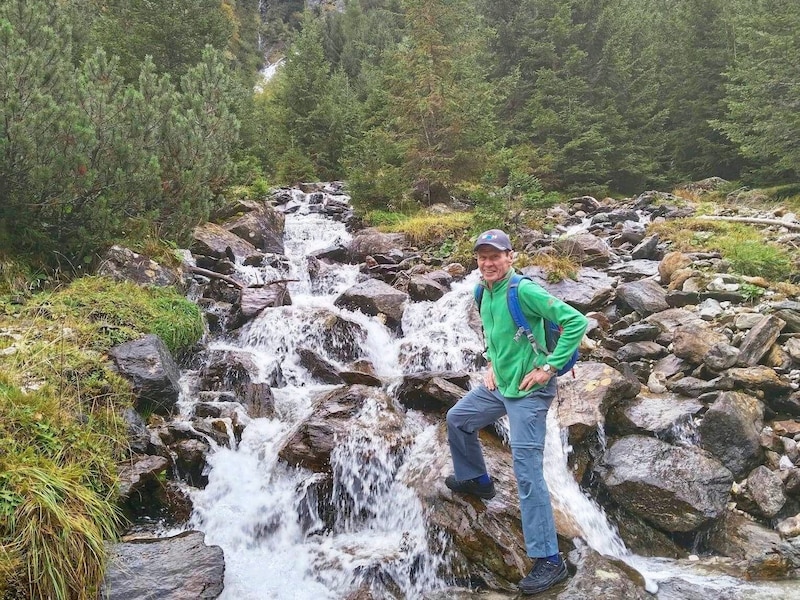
[486, 536]
[590, 290]
[137, 434]
[135, 477]
[260, 225]
[584, 401]
[253, 300]
[212, 240]
[675, 488]
[422, 287]
[693, 341]
[759, 340]
[661, 415]
[332, 422]
[148, 364]
[374, 297]
[644, 296]
[337, 252]
[176, 568]
[586, 248]
[602, 578]
[236, 371]
[432, 391]
[122, 264]
[190, 459]
[730, 430]
[319, 368]
[763, 553]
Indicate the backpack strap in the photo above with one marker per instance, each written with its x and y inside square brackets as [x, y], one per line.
[515, 308]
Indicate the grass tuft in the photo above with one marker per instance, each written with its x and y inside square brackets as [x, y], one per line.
[742, 245]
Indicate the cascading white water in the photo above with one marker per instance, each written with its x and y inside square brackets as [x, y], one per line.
[264, 514]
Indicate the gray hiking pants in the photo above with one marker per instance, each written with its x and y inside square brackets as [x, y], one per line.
[527, 418]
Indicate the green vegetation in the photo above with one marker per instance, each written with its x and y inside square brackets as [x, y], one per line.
[60, 434]
[742, 245]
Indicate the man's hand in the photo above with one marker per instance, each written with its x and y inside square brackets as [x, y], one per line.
[537, 376]
[488, 378]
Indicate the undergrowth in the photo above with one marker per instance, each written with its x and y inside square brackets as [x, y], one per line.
[60, 431]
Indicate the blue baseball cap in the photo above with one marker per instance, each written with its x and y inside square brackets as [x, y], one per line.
[494, 238]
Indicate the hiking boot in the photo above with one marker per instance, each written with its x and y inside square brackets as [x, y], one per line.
[543, 576]
[470, 486]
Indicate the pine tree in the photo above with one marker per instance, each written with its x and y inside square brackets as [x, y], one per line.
[763, 89]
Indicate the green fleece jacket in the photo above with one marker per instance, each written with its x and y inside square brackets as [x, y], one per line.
[512, 358]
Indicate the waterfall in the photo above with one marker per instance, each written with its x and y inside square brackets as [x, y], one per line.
[279, 541]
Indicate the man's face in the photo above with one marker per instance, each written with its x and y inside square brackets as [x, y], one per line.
[493, 263]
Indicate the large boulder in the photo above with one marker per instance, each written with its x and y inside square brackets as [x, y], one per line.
[260, 225]
[603, 578]
[675, 488]
[374, 297]
[177, 568]
[371, 241]
[332, 422]
[660, 415]
[693, 342]
[216, 242]
[763, 554]
[644, 296]
[122, 264]
[731, 430]
[590, 290]
[148, 364]
[586, 248]
[433, 391]
[584, 400]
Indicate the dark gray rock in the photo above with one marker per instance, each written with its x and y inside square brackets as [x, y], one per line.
[638, 332]
[214, 241]
[586, 248]
[434, 391]
[731, 430]
[644, 296]
[260, 225]
[764, 554]
[590, 290]
[660, 415]
[176, 568]
[373, 297]
[693, 341]
[319, 368]
[639, 350]
[149, 365]
[371, 241]
[675, 488]
[422, 287]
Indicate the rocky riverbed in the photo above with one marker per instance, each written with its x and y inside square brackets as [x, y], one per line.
[682, 417]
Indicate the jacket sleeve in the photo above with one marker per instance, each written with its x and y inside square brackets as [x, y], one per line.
[538, 302]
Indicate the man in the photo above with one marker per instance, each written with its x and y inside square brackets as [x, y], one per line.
[519, 381]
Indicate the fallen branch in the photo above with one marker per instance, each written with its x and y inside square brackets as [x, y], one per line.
[215, 275]
[753, 220]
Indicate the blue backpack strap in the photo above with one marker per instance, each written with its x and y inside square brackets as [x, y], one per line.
[478, 293]
[552, 330]
[514, 307]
